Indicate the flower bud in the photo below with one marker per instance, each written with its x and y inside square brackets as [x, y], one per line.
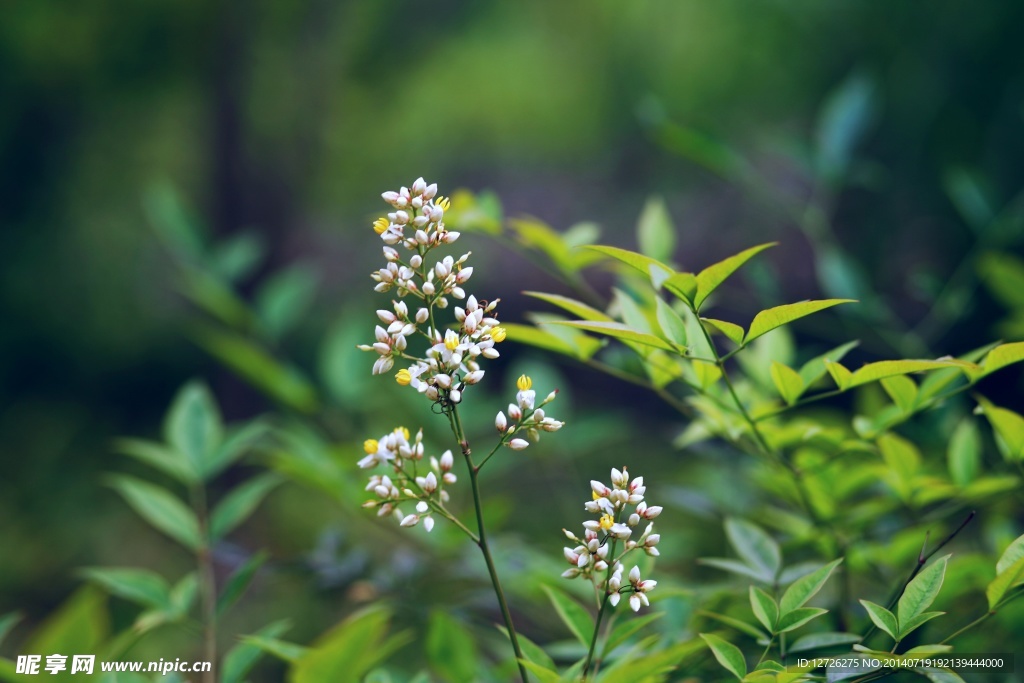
[518, 444]
[499, 422]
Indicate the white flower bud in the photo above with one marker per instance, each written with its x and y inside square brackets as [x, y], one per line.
[518, 444]
[422, 315]
[422, 506]
[430, 191]
[418, 187]
[428, 288]
[570, 573]
[436, 214]
[514, 412]
[386, 317]
[463, 275]
[401, 217]
[430, 485]
[447, 462]
[417, 202]
[473, 377]
[410, 520]
[499, 422]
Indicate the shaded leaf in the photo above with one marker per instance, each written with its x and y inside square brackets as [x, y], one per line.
[1007, 424]
[577, 308]
[541, 339]
[240, 503]
[572, 614]
[649, 267]
[819, 641]
[349, 650]
[740, 568]
[1013, 552]
[239, 581]
[672, 326]
[285, 297]
[140, 586]
[625, 629]
[619, 331]
[1006, 579]
[758, 549]
[655, 233]
[806, 587]
[7, 623]
[160, 457]
[240, 659]
[844, 119]
[727, 654]
[193, 425]
[741, 626]
[921, 592]
[160, 508]
[798, 617]
[964, 453]
[451, 649]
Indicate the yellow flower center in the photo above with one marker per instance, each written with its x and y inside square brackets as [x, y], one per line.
[443, 202]
[403, 377]
[606, 521]
[524, 383]
[593, 494]
[451, 340]
[370, 446]
[498, 334]
[403, 431]
[380, 225]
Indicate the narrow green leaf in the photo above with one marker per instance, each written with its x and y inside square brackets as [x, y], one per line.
[787, 381]
[872, 372]
[883, 618]
[727, 654]
[81, 624]
[632, 314]
[964, 453]
[815, 369]
[764, 607]
[1001, 356]
[806, 587]
[577, 308]
[650, 267]
[840, 375]
[451, 648]
[619, 331]
[1013, 552]
[543, 674]
[239, 581]
[732, 331]
[1007, 424]
[922, 650]
[624, 630]
[902, 391]
[739, 625]
[237, 442]
[739, 568]
[572, 614]
[916, 622]
[844, 119]
[768, 320]
[672, 326]
[160, 457]
[285, 297]
[655, 233]
[682, 285]
[8, 622]
[350, 650]
[921, 592]
[283, 650]
[240, 503]
[902, 457]
[183, 595]
[534, 652]
[798, 617]
[939, 675]
[714, 275]
[193, 425]
[541, 339]
[1007, 578]
[161, 509]
[820, 641]
[757, 548]
[240, 659]
[140, 586]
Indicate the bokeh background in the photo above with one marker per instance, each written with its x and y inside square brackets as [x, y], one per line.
[880, 143]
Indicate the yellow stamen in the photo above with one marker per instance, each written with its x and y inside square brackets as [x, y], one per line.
[403, 431]
[498, 334]
[370, 446]
[524, 383]
[403, 377]
[380, 225]
[451, 340]
[606, 521]
[443, 202]
[594, 495]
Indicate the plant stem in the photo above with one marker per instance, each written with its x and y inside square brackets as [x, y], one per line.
[481, 542]
[207, 585]
[593, 641]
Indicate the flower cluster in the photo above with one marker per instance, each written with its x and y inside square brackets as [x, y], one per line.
[406, 483]
[620, 510]
[451, 360]
[527, 418]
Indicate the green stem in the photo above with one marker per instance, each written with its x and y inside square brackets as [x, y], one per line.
[474, 472]
[207, 584]
[593, 640]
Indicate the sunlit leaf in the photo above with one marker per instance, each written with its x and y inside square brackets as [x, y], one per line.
[727, 654]
[815, 369]
[619, 331]
[732, 331]
[714, 275]
[650, 267]
[920, 593]
[656, 234]
[764, 607]
[787, 381]
[806, 587]
[903, 392]
[1007, 424]
[682, 285]
[964, 453]
[1006, 579]
[531, 336]
[577, 308]
[840, 375]
[873, 372]
[768, 320]
[882, 618]
[799, 617]
[1001, 356]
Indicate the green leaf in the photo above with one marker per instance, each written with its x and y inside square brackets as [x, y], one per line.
[80, 625]
[903, 460]
[1001, 356]
[902, 391]
[819, 641]
[939, 675]
[577, 308]
[160, 457]
[764, 607]
[283, 383]
[655, 232]
[572, 614]
[787, 381]
[8, 622]
[883, 618]
[806, 587]
[731, 330]
[714, 275]
[240, 659]
[543, 674]
[618, 331]
[916, 622]
[533, 652]
[727, 654]
[798, 617]
[1007, 578]
[741, 626]
[239, 580]
[237, 443]
[1007, 424]
[768, 320]
[193, 425]
[161, 509]
[284, 298]
[140, 586]
[238, 255]
[739, 568]
[844, 119]
[624, 630]
[922, 650]
[541, 339]
[673, 327]
[758, 549]
[172, 221]
[964, 453]
[872, 372]
[815, 369]
[921, 592]
[283, 650]
[183, 595]
[682, 285]
[451, 648]
[652, 268]
[1013, 552]
[349, 650]
[967, 192]
[840, 375]
[240, 503]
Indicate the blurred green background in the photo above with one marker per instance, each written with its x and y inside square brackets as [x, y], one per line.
[880, 141]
